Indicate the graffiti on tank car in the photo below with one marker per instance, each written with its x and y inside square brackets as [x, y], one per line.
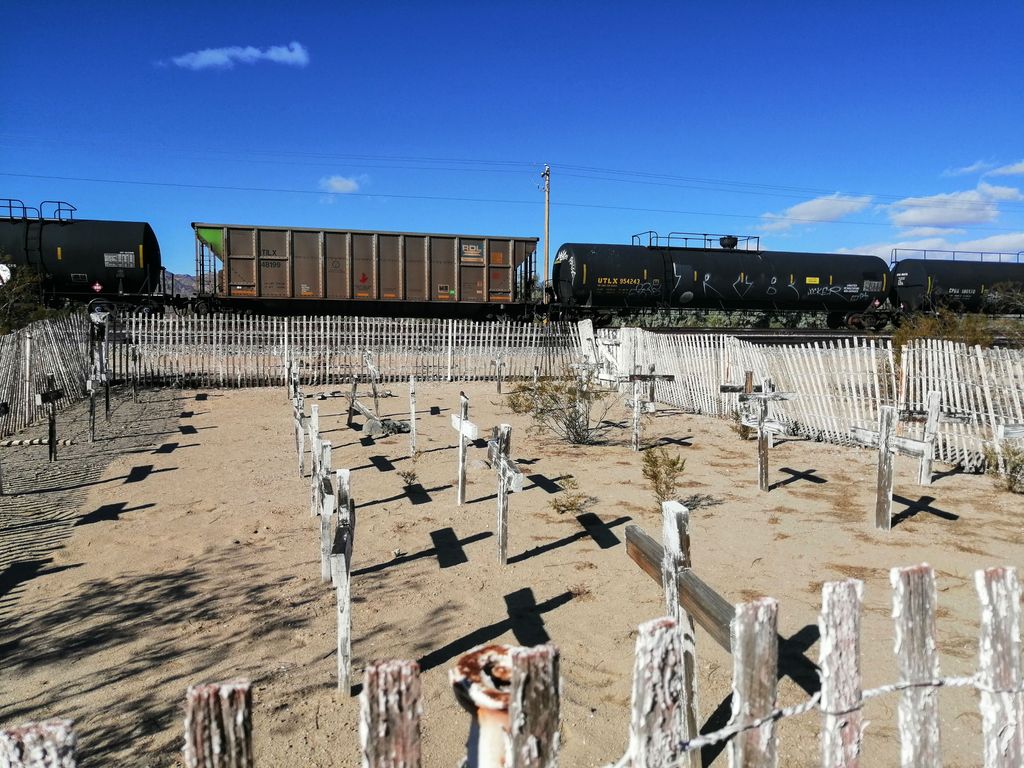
[706, 285]
[651, 288]
[742, 285]
[772, 290]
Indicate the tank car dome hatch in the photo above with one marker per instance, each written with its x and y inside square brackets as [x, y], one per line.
[729, 242]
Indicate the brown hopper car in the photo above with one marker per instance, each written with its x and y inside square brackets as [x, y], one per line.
[285, 270]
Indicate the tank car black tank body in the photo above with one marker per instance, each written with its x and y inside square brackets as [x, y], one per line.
[925, 285]
[84, 259]
[630, 277]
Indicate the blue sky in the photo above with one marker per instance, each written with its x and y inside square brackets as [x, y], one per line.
[817, 126]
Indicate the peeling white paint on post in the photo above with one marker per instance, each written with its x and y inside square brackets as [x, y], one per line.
[636, 415]
[510, 479]
[341, 573]
[341, 576]
[534, 706]
[389, 715]
[465, 429]
[676, 558]
[298, 417]
[999, 678]
[842, 722]
[412, 415]
[499, 368]
[913, 613]
[47, 744]
[218, 725]
[676, 542]
[657, 706]
[755, 658]
[931, 426]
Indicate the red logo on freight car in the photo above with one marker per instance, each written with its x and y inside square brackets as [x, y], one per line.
[97, 286]
[363, 278]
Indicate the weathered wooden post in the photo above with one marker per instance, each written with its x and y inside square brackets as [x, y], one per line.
[352, 399]
[341, 573]
[218, 725]
[636, 415]
[412, 415]
[324, 502]
[298, 422]
[50, 398]
[534, 706]
[389, 715]
[371, 369]
[47, 744]
[465, 429]
[913, 613]
[1002, 712]
[498, 363]
[510, 479]
[656, 724]
[842, 722]
[931, 428]
[755, 659]
[90, 385]
[676, 558]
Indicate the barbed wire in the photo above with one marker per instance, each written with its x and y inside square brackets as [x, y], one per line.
[734, 729]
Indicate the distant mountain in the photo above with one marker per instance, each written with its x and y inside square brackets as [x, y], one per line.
[184, 285]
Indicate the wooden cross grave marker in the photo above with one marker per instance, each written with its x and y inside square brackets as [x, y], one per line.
[465, 430]
[510, 480]
[641, 404]
[50, 398]
[888, 445]
[498, 363]
[375, 426]
[765, 428]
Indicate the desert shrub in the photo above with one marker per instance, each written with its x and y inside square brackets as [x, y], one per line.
[1013, 460]
[573, 407]
[972, 330]
[570, 500]
[662, 471]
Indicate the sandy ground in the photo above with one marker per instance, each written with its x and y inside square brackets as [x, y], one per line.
[195, 559]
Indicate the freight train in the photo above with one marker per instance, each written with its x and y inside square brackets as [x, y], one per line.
[282, 270]
[695, 271]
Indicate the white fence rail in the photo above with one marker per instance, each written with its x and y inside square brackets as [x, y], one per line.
[240, 351]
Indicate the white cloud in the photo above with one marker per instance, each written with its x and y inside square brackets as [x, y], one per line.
[1010, 242]
[340, 184]
[1013, 169]
[827, 208]
[976, 167]
[932, 232]
[294, 54]
[952, 209]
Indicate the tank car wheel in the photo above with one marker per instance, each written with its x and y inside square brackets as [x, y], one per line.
[201, 308]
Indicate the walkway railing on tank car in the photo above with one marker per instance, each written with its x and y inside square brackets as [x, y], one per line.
[12, 204]
[62, 210]
[1001, 257]
[697, 240]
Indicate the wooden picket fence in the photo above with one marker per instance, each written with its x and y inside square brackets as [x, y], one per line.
[57, 347]
[243, 351]
[218, 720]
[839, 387]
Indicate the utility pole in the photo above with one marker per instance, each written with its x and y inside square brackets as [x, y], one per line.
[546, 175]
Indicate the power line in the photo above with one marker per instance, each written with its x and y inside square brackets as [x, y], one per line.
[503, 201]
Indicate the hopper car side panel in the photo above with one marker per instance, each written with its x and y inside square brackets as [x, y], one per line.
[279, 269]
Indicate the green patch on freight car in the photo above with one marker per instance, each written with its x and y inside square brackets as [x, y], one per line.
[213, 237]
